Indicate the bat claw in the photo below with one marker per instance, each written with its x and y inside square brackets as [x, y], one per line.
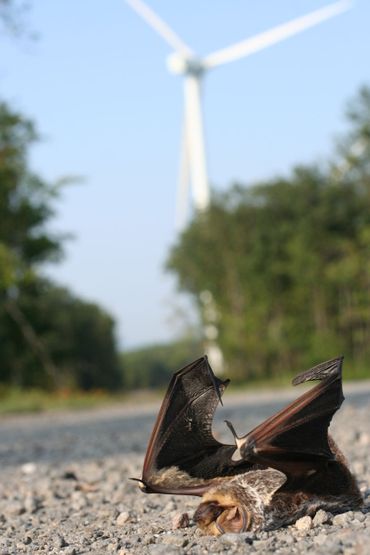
[142, 484]
[231, 428]
[238, 440]
[322, 371]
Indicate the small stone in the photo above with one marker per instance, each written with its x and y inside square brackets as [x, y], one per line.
[122, 518]
[304, 523]
[320, 539]
[180, 520]
[15, 509]
[62, 542]
[87, 487]
[364, 439]
[342, 519]
[69, 475]
[32, 504]
[164, 549]
[173, 540]
[260, 545]
[28, 468]
[234, 539]
[170, 506]
[321, 517]
[358, 515]
[358, 467]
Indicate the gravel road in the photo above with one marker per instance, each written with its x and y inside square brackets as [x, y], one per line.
[64, 485]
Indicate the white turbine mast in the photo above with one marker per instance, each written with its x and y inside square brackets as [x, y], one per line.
[183, 61]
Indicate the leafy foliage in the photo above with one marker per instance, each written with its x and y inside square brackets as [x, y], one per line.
[12, 16]
[49, 338]
[288, 263]
[151, 367]
[78, 337]
[25, 204]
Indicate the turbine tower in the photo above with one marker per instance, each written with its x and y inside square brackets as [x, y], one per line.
[183, 61]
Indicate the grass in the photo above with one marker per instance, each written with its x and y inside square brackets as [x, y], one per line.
[17, 401]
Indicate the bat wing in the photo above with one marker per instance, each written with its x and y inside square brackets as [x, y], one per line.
[295, 440]
[182, 455]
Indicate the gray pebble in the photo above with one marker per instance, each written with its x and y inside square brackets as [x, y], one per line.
[180, 520]
[62, 542]
[261, 545]
[122, 518]
[321, 517]
[304, 523]
[320, 539]
[358, 515]
[164, 550]
[233, 539]
[342, 519]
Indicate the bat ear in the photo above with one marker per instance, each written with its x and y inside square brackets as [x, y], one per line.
[327, 369]
[264, 482]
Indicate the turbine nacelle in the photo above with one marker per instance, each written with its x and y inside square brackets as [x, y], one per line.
[185, 62]
[181, 65]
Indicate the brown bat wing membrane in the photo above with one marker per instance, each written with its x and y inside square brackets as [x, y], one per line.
[183, 457]
[295, 439]
[182, 435]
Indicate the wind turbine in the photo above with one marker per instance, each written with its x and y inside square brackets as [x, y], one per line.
[183, 61]
[193, 166]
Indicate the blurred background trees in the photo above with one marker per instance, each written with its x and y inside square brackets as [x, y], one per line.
[48, 337]
[288, 263]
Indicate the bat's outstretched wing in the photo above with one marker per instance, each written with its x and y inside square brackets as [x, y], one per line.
[295, 440]
[182, 455]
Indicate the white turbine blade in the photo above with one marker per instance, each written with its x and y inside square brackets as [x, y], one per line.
[195, 142]
[182, 203]
[154, 21]
[275, 35]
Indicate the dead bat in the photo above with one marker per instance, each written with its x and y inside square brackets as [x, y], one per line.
[285, 468]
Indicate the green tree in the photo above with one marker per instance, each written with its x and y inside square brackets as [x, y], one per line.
[287, 262]
[153, 366]
[25, 204]
[48, 337]
[78, 337]
[12, 15]
[25, 210]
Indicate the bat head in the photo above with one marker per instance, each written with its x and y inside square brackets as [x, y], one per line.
[215, 519]
[237, 505]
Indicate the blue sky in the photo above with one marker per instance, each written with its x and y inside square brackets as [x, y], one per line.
[107, 109]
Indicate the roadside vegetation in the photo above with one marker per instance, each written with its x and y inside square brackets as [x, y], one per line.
[287, 262]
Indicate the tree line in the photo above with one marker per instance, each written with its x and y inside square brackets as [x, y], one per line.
[49, 337]
[288, 262]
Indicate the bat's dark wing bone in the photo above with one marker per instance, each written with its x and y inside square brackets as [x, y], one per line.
[182, 455]
[295, 439]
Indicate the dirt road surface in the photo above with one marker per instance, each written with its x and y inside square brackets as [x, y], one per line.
[65, 484]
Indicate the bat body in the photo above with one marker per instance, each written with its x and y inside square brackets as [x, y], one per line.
[286, 467]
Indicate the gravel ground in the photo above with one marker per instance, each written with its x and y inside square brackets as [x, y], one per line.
[65, 487]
